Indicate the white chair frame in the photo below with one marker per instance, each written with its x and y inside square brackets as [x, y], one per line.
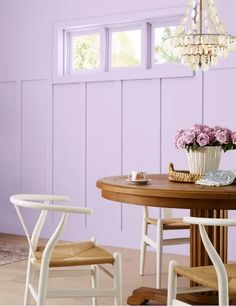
[158, 244]
[39, 295]
[221, 273]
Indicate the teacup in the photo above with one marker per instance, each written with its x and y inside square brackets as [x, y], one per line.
[137, 175]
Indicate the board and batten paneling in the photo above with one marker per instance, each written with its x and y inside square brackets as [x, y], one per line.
[36, 164]
[36, 137]
[220, 109]
[69, 151]
[220, 106]
[103, 150]
[141, 144]
[10, 157]
[181, 107]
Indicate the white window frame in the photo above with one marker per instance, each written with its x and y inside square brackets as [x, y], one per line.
[145, 19]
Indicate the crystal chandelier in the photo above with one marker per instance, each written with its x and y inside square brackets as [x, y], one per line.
[200, 39]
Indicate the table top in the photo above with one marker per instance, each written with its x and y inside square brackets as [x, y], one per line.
[163, 193]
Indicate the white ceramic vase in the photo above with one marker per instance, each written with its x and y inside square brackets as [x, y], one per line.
[204, 159]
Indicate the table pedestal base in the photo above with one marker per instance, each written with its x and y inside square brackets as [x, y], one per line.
[143, 295]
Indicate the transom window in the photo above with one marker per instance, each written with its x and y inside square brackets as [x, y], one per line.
[86, 52]
[114, 50]
[161, 54]
[110, 48]
[125, 48]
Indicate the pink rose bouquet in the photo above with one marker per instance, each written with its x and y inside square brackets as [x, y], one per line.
[201, 135]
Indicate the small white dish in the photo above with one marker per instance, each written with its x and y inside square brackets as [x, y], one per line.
[139, 182]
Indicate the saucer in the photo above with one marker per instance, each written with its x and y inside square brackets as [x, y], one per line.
[139, 182]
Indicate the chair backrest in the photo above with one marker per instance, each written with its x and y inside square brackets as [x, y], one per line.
[167, 213]
[164, 213]
[43, 203]
[214, 256]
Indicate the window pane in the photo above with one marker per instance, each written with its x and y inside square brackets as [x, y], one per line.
[126, 48]
[86, 52]
[161, 54]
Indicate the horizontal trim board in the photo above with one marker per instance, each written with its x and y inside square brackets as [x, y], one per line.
[164, 71]
[161, 13]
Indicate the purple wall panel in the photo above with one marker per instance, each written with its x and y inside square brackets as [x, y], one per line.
[36, 136]
[141, 143]
[103, 156]
[69, 150]
[220, 109]
[220, 106]
[9, 154]
[181, 105]
[36, 142]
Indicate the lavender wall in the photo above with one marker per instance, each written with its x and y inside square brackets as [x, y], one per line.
[62, 138]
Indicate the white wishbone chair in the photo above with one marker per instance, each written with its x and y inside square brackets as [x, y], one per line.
[218, 277]
[168, 223]
[60, 259]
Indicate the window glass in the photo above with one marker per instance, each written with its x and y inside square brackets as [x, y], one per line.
[126, 48]
[86, 52]
[161, 54]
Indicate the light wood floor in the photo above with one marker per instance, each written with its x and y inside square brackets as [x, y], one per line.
[12, 276]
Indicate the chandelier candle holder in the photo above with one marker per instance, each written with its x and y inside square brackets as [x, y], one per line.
[200, 39]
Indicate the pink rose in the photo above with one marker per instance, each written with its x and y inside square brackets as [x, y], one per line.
[233, 137]
[179, 143]
[199, 127]
[212, 137]
[207, 130]
[223, 136]
[188, 137]
[203, 139]
[217, 128]
[178, 134]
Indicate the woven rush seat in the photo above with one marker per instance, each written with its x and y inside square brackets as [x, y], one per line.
[170, 224]
[206, 276]
[76, 254]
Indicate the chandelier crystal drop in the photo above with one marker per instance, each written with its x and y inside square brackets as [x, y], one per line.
[200, 39]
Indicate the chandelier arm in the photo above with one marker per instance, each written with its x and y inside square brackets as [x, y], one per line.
[184, 19]
[213, 17]
[195, 17]
[208, 24]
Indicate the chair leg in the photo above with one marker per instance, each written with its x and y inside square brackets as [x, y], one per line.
[159, 253]
[143, 248]
[42, 287]
[118, 278]
[172, 283]
[29, 280]
[95, 284]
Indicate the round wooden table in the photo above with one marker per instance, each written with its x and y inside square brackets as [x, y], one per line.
[203, 201]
